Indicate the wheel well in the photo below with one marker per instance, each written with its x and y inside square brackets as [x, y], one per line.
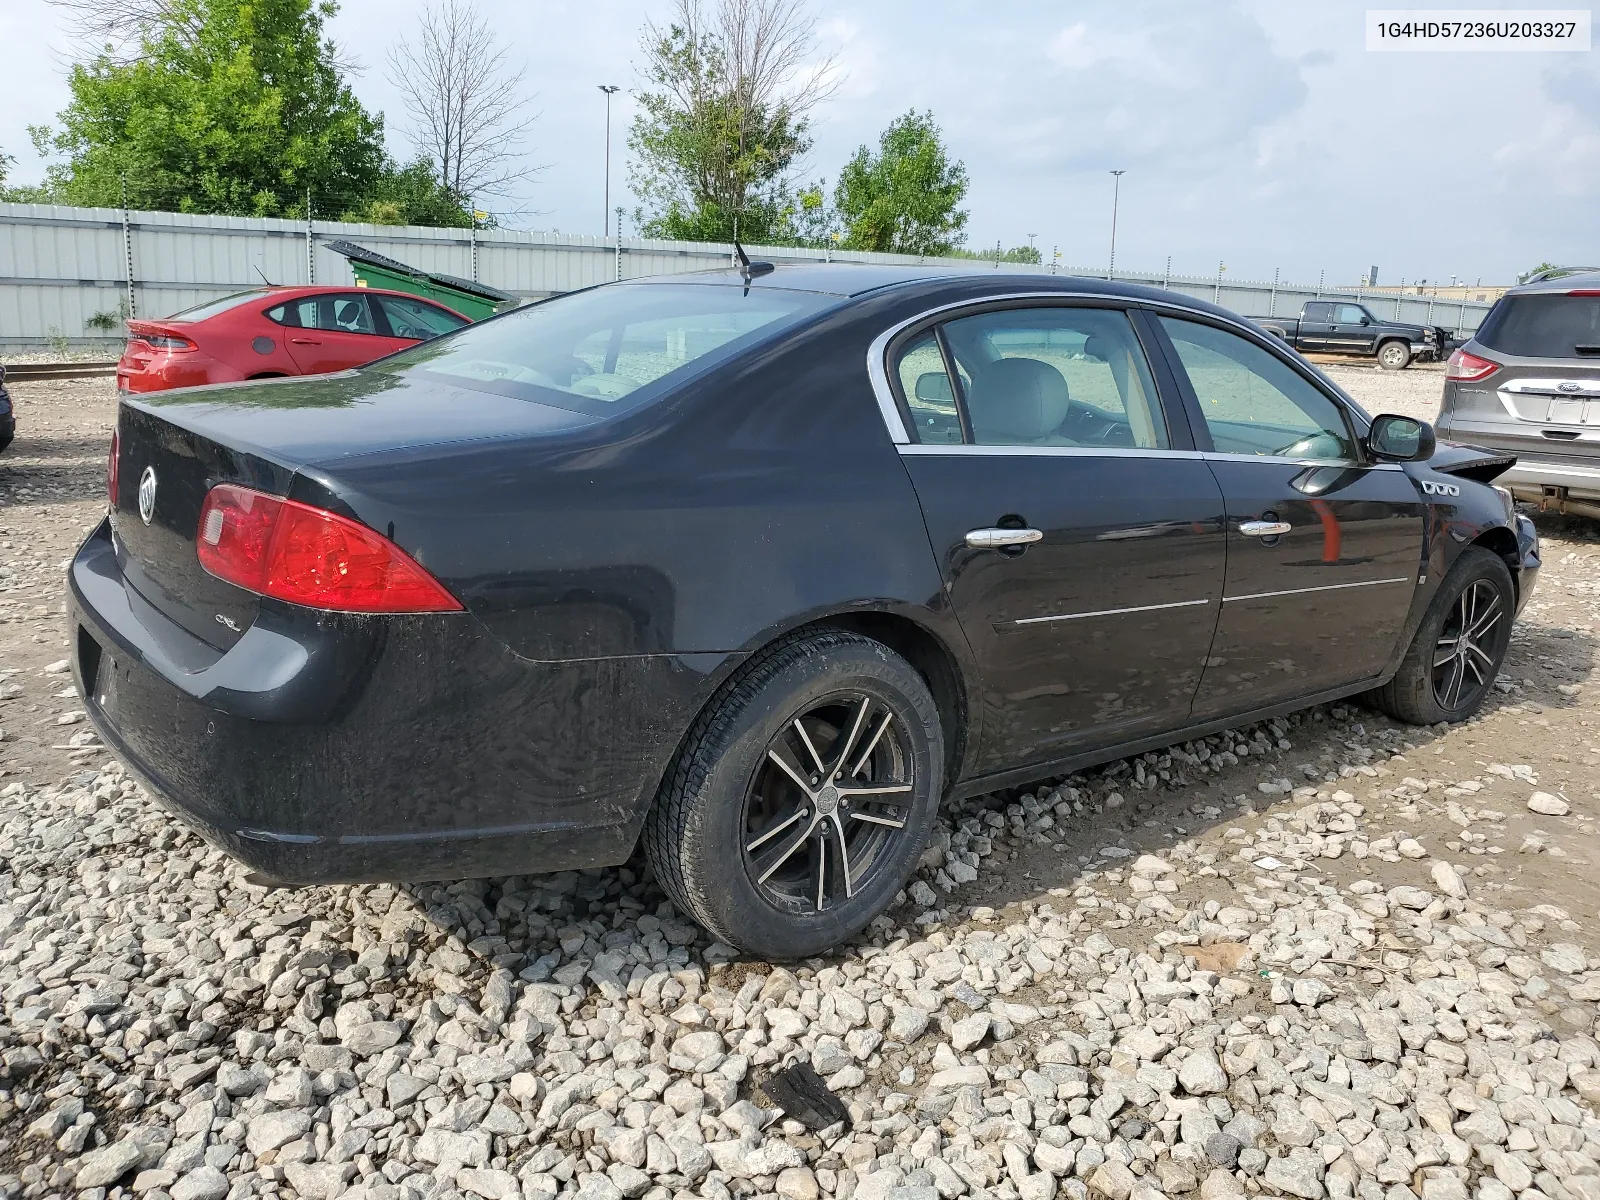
[931, 659]
[266, 375]
[1504, 543]
[1395, 339]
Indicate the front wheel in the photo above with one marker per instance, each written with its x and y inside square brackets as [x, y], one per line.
[1459, 647]
[1394, 356]
[802, 799]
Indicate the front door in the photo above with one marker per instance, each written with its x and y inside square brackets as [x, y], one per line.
[1353, 331]
[1080, 539]
[1324, 545]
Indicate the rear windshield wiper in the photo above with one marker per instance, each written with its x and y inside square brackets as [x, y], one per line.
[1587, 348]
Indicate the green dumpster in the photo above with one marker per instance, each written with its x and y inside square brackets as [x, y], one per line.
[469, 298]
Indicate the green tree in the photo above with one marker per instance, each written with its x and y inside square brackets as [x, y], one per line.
[411, 195]
[1544, 266]
[1017, 254]
[230, 106]
[905, 198]
[724, 118]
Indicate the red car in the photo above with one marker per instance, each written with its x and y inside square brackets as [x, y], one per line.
[276, 331]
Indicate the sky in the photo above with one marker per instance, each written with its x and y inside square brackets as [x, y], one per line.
[1257, 134]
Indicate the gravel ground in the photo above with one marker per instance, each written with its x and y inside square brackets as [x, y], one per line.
[1328, 956]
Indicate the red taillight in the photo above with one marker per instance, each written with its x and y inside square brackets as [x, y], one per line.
[1469, 368]
[1585, 292]
[305, 555]
[111, 470]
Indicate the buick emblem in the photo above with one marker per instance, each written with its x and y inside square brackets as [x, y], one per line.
[147, 495]
[1569, 386]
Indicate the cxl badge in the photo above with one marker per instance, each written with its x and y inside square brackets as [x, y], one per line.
[147, 495]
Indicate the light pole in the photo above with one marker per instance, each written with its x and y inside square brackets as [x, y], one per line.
[610, 89]
[1116, 194]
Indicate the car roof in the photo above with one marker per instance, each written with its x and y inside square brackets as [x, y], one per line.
[850, 280]
[1582, 278]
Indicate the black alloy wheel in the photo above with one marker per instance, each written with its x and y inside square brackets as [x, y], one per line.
[1464, 661]
[1459, 645]
[828, 800]
[802, 797]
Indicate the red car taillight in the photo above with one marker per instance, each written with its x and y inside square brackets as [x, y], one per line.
[305, 555]
[1469, 368]
[111, 470]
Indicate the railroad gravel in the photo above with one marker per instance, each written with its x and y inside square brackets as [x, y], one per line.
[1325, 957]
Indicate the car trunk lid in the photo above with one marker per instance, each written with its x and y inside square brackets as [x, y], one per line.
[269, 435]
[163, 474]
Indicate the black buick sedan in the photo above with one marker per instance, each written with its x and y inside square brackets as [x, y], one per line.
[760, 569]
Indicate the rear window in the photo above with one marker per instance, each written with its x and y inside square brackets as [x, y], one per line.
[212, 307]
[606, 349]
[1544, 325]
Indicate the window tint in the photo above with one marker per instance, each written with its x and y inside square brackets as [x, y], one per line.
[1318, 311]
[1056, 376]
[608, 348]
[348, 313]
[1254, 402]
[212, 307]
[416, 318]
[1544, 326]
[1350, 314]
[929, 396]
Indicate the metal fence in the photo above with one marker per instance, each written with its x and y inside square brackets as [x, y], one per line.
[68, 276]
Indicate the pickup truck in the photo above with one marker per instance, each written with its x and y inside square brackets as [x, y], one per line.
[1344, 327]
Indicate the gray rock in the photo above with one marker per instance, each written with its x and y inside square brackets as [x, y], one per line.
[203, 1183]
[1548, 805]
[274, 1129]
[1299, 1173]
[104, 1167]
[1202, 1075]
[1222, 1149]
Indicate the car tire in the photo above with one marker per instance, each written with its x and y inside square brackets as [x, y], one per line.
[731, 804]
[1394, 356]
[1441, 679]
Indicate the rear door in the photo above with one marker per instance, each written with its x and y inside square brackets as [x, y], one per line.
[332, 332]
[1324, 546]
[1079, 533]
[1316, 325]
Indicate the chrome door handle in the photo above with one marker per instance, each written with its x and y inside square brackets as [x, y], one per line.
[994, 539]
[1264, 528]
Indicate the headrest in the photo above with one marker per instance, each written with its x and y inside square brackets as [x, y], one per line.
[1017, 400]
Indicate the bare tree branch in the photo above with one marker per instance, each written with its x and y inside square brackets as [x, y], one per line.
[465, 100]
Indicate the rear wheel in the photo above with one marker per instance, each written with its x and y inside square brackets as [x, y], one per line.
[802, 799]
[1459, 647]
[1394, 356]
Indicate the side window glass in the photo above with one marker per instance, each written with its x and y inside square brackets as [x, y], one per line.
[1253, 401]
[929, 397]
[1316, 311]
[1350, 314]
[344, 314]
[415, 319]
[1057, 376]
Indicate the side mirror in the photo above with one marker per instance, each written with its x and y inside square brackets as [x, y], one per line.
[1400, 439]
[934, 386]
[1364, 321]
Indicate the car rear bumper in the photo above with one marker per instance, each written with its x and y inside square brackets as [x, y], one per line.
[163, 371]
[339, 748]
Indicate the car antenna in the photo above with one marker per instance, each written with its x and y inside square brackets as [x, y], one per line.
[747, 268]
[264, 278]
